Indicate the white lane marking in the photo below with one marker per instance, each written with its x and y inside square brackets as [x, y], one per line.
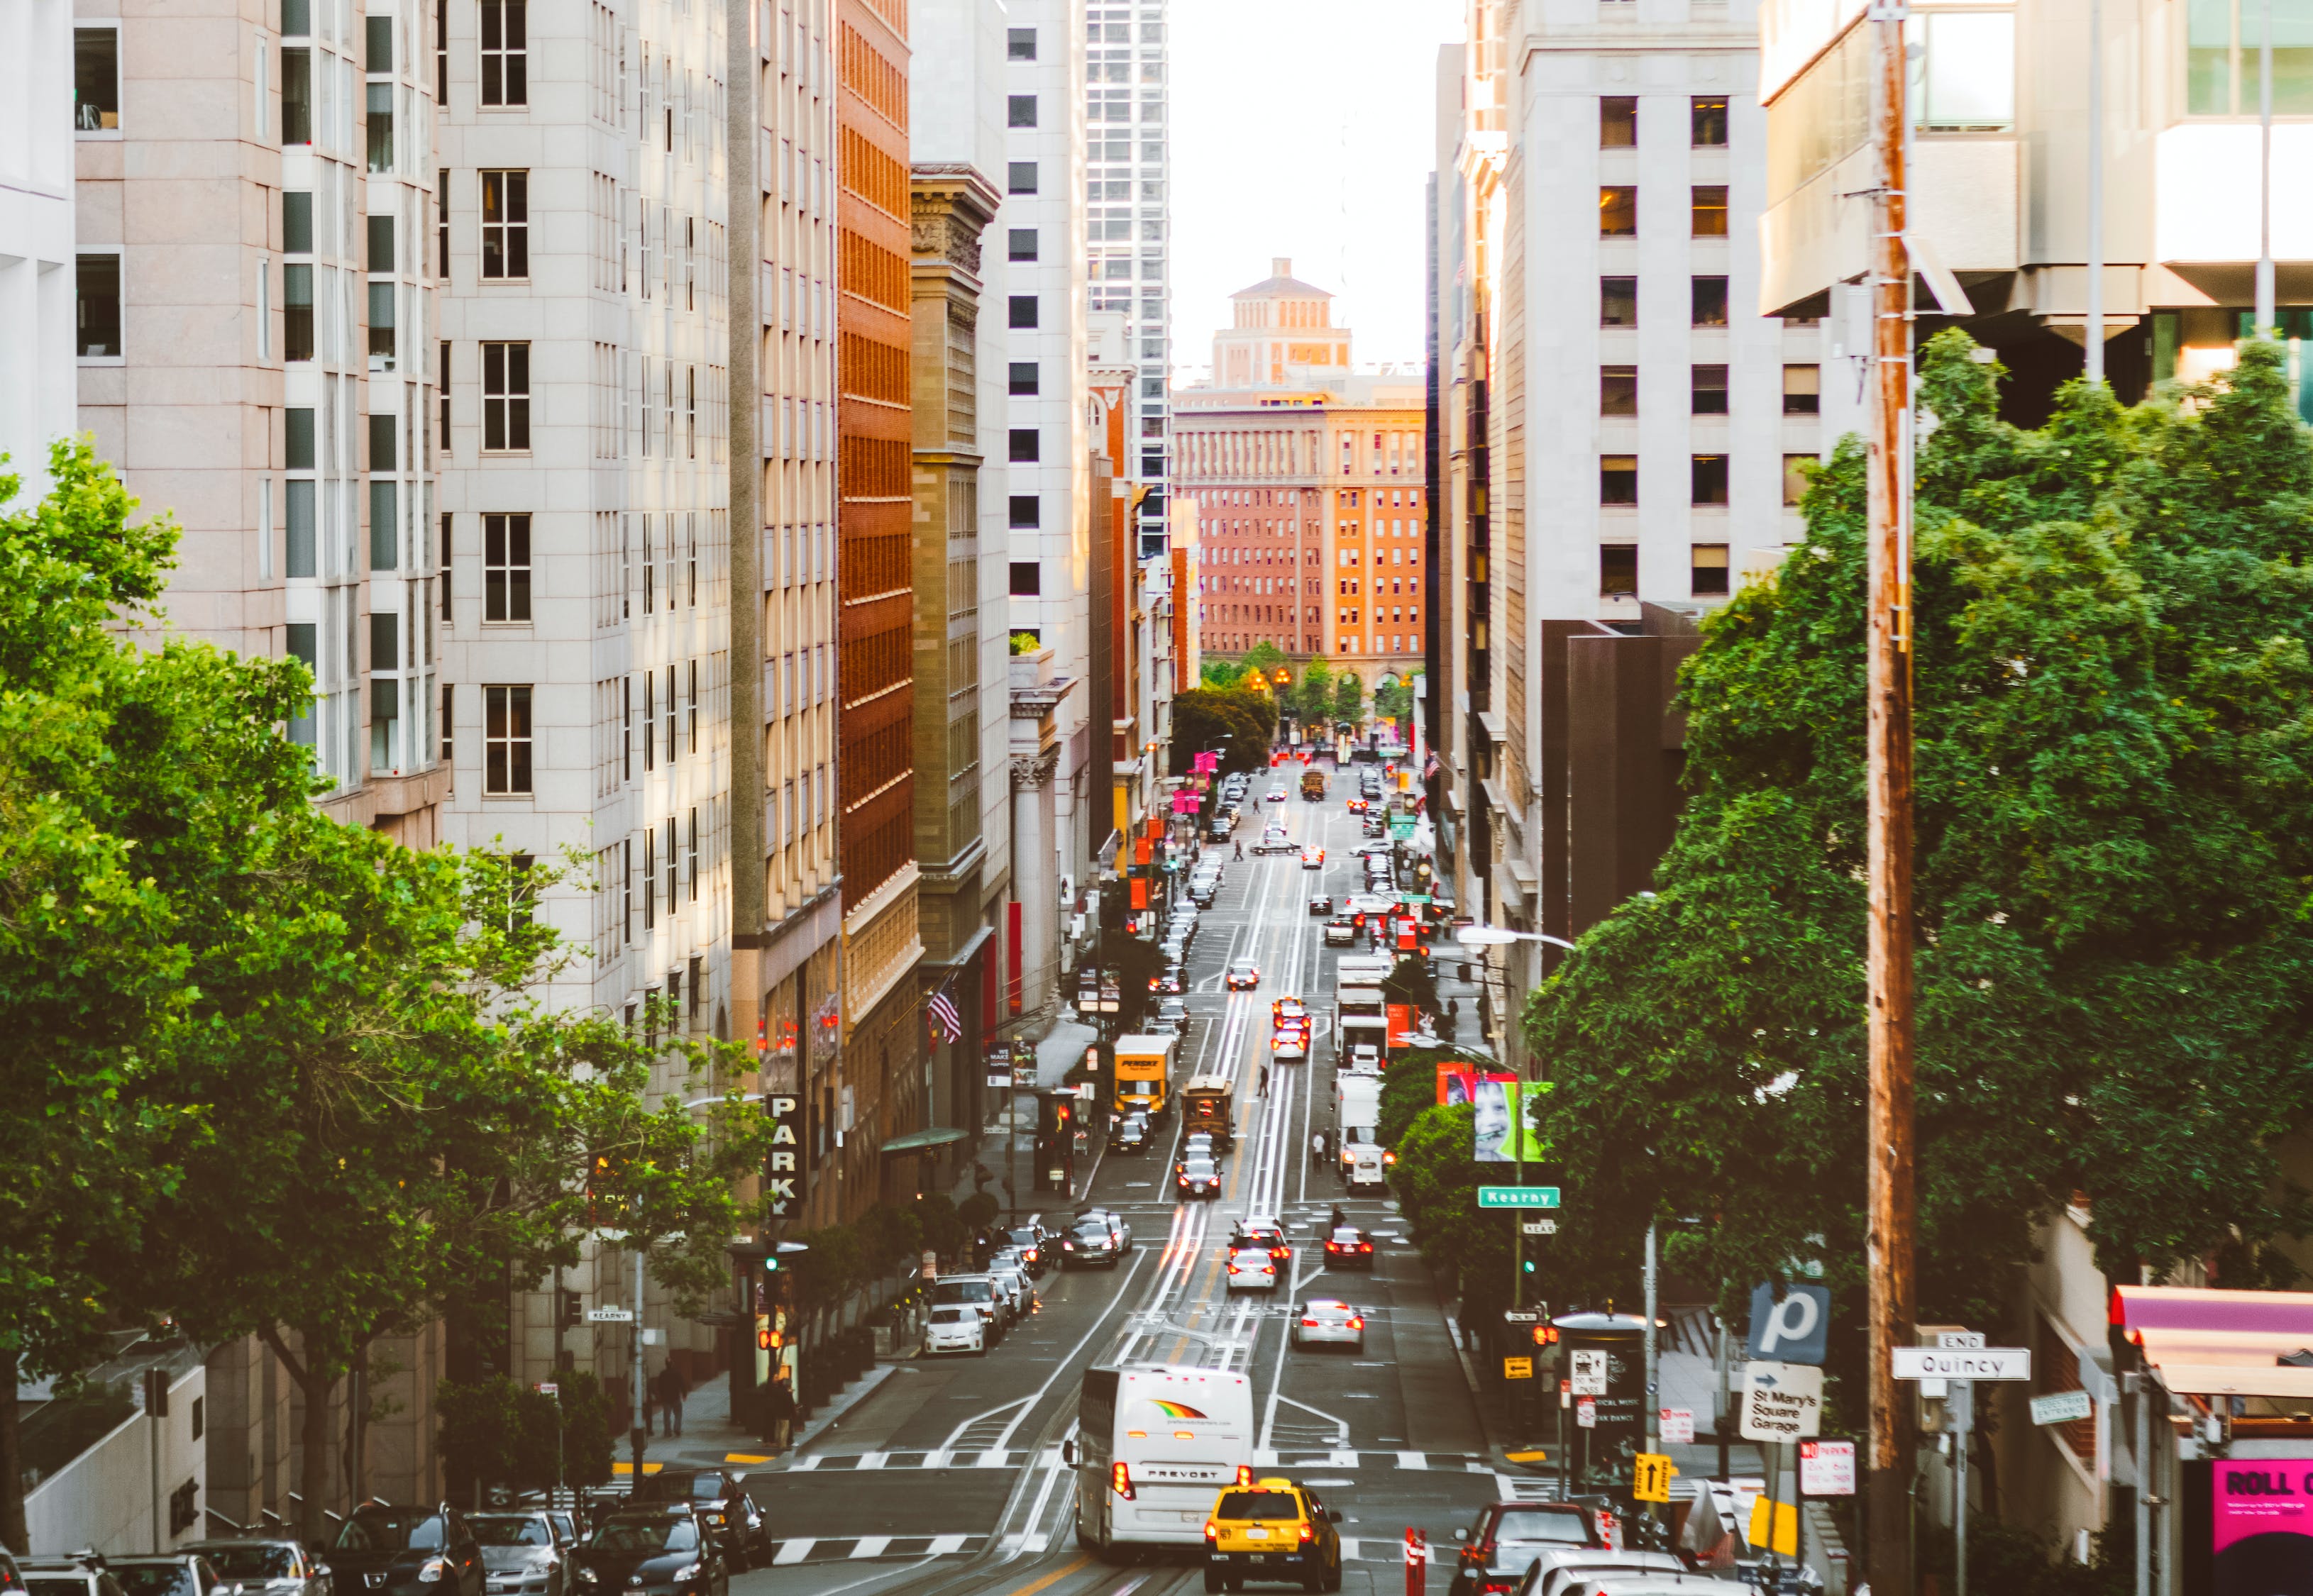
[1412, 1459]
[870, 1546]
[1037, 1396]
[945, 1545]
[792, 1552]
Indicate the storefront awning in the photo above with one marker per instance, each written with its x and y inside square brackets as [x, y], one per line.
[920, 1141]
[2222, 1343]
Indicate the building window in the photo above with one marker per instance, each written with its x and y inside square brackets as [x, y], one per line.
[297, 221]
[1024, 311]
[506, 226]
[1802, 389]
[1020, 111]
[505, 739]
[1709, 301]
[1708, 474]
[1709, 210]
[442, 225]
[1618, 301]
[1796, 469]
[381, 327]
[380, 239]
[505, 398]
[1027, 446]
[1023, 244]
[296, 17]
[98, 283]
[96, 80]
[1708, 572]
[1706, 121]
[1618, 210]
[1020, 177]
[1027, 510]
[1709, 391]
[1618, 479]
[442, 388]
[296, 97]
[1027, 579]
[1618, 122]
[378, 115]
[506, 53]
[1618, 571]
[377, 54]
[1025, 381]
[1020, 44]
[505, 567]
[1618, 391]
[1965, 82]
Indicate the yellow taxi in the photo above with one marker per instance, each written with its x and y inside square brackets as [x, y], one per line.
[1272, 1529]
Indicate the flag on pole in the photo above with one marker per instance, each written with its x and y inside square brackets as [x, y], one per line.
[947, 1025]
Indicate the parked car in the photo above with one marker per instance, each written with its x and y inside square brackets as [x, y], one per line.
[278, 1565]
[401, 1551]
[1508, 1536]
[955, 1328]
[1169, 982]
[974, 1291]
[1034, 1245]
[79, 1574]
[522, 1554]
[1173, 1014]
[657, 1548]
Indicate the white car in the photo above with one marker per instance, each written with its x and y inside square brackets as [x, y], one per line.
[1274, 795]
[1289, 1041]
[1252, 1268]
[955, 1326]
[1369, 903]
[1329, 1322]
[1011, 1273]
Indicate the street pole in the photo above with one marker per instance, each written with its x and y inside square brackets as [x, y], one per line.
[2265, 294]
[1719, 1412]
[1888, 790]
[1650, 1424]
[2141, 1388]
[1963, 1419]
[638, 1432]
[2095, 193]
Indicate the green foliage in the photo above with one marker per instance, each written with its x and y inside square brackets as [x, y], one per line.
[944, 1229]
[1223, 674]
[2015, 1562]
[496, 1431]
[979, 1211]
[1396, 699]
[1264, 657]
[1202, 716]
[1026, 643]
[1348, 697]
[1436, 1187]
[890, 1238]
[1313, 695]
[2114, 843]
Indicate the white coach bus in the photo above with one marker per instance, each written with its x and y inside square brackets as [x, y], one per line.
[1154, 1442]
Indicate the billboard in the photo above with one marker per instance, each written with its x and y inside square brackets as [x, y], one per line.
[2261, 1522]
[1504, 1102]
[1457, 1080]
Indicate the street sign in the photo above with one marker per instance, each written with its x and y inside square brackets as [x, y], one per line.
[547, 1388]
[1677, 1425]
[1517, 1197]
[1935, 1363]
[1589, 1371]
[1522, 1315]
[1650, 1476]
[1827, 1468]
[1793, 1329]
[1781, 1402]
[609, 1316]
[2063, 1408]
[1517, 1368]
[1586, 1413]
[1960, 1340]
[1539, 1227]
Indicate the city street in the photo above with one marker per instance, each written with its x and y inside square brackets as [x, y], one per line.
[949, 1478]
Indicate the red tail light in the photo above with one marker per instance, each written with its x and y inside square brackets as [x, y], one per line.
[1365, 1247]
[1310, 1322]
[1244, 1473]
[1357, 1324]
[1119, 1480]
[1212, 1530]
[1306, 1532]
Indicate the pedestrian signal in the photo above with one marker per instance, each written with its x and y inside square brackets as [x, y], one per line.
[768, 1340]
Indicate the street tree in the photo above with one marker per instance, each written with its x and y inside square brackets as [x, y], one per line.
[1230, 723]
[1349, 697]
[1263, 656]
[2111, 635]
[1313, 695]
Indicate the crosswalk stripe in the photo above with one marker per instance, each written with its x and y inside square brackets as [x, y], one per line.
[870, 1546]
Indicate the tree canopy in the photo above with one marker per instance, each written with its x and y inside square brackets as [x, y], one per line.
[1204, 717]
[2115, 843]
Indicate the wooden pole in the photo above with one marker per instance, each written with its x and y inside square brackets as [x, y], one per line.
[1888, 798]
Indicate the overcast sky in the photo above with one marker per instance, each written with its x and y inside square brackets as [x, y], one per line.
[1304, 128]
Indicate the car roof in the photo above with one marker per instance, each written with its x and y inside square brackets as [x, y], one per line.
[1314, 1303]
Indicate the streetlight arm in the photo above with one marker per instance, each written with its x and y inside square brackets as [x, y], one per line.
[1493, 936]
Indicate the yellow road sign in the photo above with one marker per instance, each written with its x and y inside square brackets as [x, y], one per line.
[1517, 1368]
[1650, 1476]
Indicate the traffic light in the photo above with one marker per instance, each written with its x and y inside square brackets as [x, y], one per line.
[1527, 1264]
[573, 1311]
[1545, 1335]
[768, 1340]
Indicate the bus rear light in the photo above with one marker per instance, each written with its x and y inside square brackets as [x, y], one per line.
[1119, 1480]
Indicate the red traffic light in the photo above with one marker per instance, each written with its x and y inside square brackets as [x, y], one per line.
[768, 1340]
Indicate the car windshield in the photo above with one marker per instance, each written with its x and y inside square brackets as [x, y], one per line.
[1258, 1504]
[1348, 1235]
[646, 1535]
[510, 1529]
[391, 1529]
[257, 1559]
[51, 1585]
[951, 1315]
[1197, 1168]
[960, 1290]
[1527, 1526]
[154, 1579]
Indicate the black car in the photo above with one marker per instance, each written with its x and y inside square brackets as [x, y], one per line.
[1129, 1134]
[522, 1554]
[720, 1498]
[652, 1551]
[404, 1551]
[1321, 903]
[1034, 1244]
[1168, 982]
[1349, 1248]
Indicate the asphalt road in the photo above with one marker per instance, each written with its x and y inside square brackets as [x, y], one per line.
[947, 1480]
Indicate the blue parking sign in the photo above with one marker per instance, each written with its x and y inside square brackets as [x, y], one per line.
[1791, 1329]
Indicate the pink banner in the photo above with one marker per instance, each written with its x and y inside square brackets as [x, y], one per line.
[2262, 1525]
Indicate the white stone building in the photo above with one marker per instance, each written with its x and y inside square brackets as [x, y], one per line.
[36, 398]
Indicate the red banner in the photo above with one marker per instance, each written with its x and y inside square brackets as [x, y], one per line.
[1401, 1023]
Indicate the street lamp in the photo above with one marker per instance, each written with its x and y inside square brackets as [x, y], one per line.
[1496, 936]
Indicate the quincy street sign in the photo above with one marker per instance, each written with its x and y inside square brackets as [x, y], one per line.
[1946, 1362]
[1517, 1197]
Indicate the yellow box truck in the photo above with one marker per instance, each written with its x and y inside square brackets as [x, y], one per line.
[1144, 1073]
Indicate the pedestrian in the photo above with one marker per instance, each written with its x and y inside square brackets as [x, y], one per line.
[673, 1391]
[1265, 1080]
[779, 1411]
[1318, 1148]
[1240, 848]
[1338, 1220]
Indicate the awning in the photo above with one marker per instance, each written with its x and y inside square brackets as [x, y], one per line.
[918, 1141]
[2221, 1343]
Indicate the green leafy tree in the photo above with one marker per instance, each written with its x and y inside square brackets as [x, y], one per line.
[1313, 695]
[1263, 656]
[1202, 717]
[1349, 697]
[1436, 1182]
[2111, 635]
[1395, 698]
[1221, 674]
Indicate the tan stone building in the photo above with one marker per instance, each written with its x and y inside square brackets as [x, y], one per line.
[1305, 482]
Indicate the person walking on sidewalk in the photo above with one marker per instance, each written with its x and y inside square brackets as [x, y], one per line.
[672, 1392]
[778, 1413]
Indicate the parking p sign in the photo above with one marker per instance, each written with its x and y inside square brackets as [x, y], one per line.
[1793, 1329]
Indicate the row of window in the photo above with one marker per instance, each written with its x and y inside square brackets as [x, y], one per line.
[1618, 391]
[1618, 571]
[1618, 303]
[1618, 122]
[1618, 210]
[1618, 479]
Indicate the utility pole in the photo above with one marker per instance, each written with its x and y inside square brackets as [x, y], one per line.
[2095, 329]
[1889, 1232]
[639, 1433]
[1651, 1421]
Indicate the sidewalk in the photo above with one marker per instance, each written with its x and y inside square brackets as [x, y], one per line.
[709, 1436]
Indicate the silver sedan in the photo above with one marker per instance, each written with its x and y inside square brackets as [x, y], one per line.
[1328, 1321]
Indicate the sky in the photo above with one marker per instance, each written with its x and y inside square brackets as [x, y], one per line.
[1304, 128]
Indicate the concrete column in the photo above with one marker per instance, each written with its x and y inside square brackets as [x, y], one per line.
[1036, 880]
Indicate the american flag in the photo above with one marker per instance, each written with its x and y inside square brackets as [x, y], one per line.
[947, 1025]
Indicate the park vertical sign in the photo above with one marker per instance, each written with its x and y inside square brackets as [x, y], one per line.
[783, 1165]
